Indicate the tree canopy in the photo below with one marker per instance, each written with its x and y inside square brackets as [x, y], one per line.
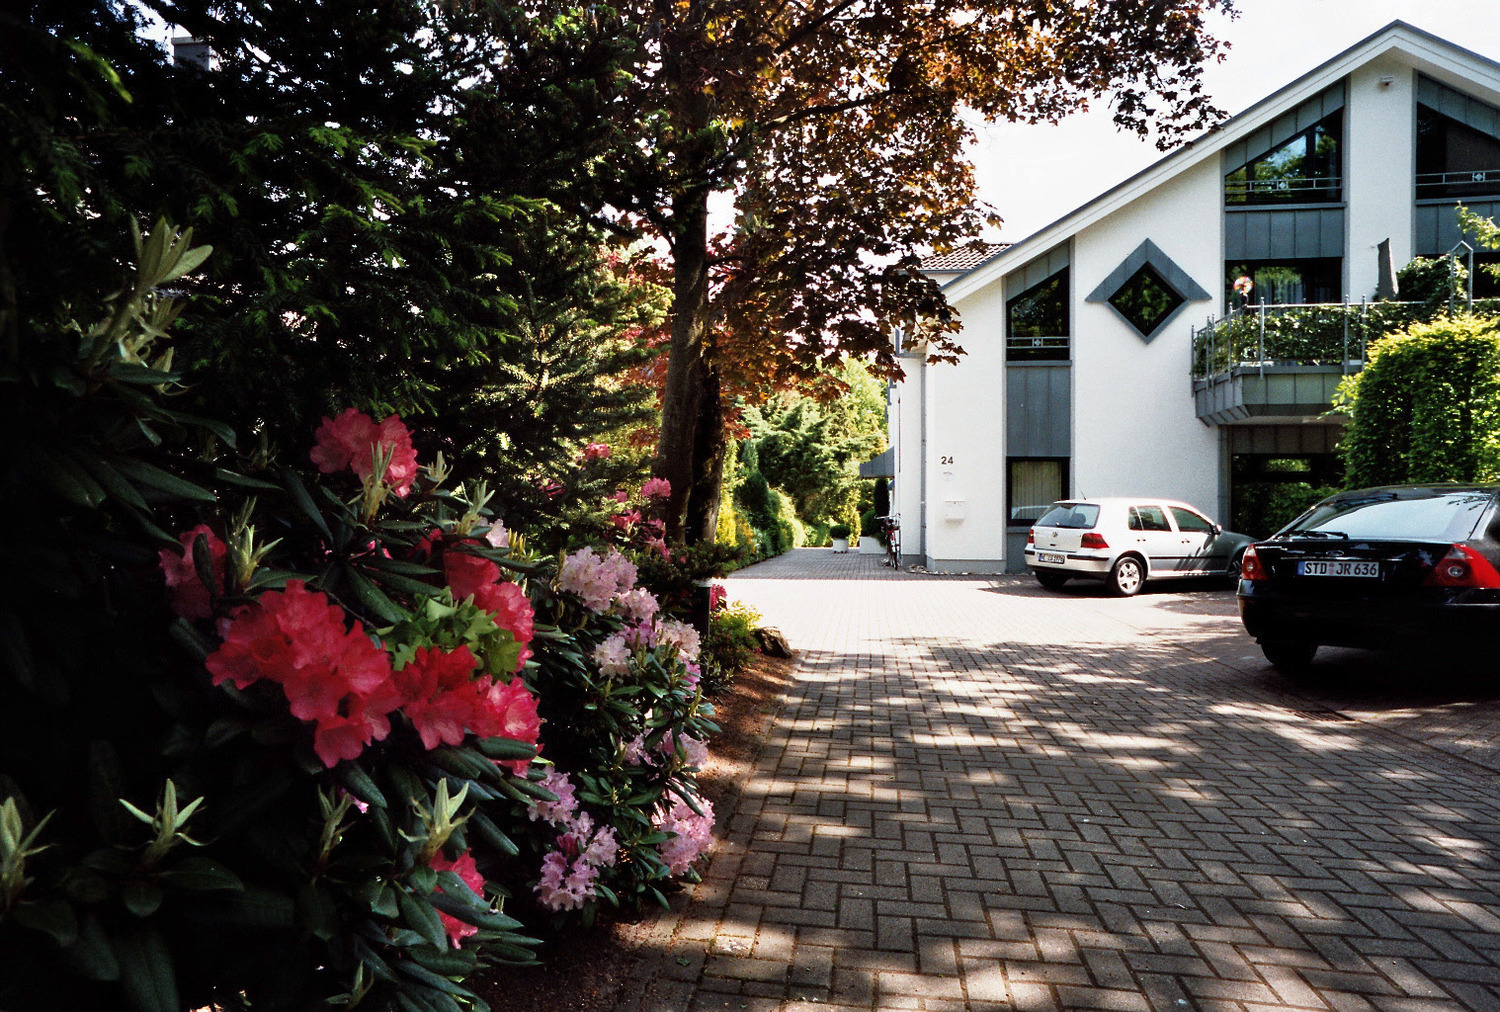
[840, 130]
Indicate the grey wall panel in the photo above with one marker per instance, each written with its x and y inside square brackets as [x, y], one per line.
[1437, 226]
[1284, 233]
[1292, 440]
[1036, 271]
[1038, 411]
[1455, 104]
[1284, 127]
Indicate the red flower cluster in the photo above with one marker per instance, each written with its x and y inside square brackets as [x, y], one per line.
[473, 576]
[442, 699]
[464, 867]
[190, 598]
[332, 675]
[351, 439]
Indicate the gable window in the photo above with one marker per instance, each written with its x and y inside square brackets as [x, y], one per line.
[1286, 282]
[1303, 170]
[1454, 159]
[1146, 300]
[1036, 321]
[1032, 485]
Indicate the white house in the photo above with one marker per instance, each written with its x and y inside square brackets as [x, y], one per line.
[1080, 376]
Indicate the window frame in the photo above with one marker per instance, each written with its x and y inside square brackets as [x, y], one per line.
[1011, 506]
[1039, 347]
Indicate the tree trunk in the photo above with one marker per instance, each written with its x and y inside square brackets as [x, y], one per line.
[691, 451]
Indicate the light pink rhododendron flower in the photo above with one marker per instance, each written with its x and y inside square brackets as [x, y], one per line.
[691, 834]
[559, 812]
[190, 598]
[681, 635]
[638, 605]
[351, 441]
[594, 579]
[464, 867]
[497, 536]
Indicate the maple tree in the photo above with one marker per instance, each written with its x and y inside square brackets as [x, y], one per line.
[839, 127]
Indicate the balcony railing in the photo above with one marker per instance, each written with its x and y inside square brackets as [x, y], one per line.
[1328, 335]
[1317, 190]
[1469, 183]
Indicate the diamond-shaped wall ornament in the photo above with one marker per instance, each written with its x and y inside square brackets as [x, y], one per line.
[1147, 290]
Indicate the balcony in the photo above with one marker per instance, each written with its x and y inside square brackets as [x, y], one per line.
[1284, 363]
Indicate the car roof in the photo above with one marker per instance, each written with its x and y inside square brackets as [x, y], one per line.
[1128, 500]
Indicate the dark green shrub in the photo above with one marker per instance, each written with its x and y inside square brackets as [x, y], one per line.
[729, 647]
[839, 531]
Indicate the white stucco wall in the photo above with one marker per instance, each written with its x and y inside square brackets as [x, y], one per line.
[965, 476]
[1135, 427]
[1379, 166]
[904, 413]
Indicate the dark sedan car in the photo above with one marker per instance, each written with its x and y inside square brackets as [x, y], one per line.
[1399, 566]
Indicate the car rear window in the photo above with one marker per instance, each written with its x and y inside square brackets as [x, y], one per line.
[1076, 515]
[1442, 516]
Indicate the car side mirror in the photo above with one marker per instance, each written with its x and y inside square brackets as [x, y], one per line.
[1218, 529]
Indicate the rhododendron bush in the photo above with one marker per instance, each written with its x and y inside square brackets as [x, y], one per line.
[282, 733]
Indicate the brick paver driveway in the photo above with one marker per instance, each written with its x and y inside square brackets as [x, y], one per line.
[981, 795]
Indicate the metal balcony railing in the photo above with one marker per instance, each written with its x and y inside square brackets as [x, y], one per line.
[1318, 190]
[1468, 183]
[1323, 334]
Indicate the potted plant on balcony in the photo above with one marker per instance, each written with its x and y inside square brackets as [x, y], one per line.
[840, 535]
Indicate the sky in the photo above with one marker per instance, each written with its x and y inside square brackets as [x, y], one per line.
[1033, 175]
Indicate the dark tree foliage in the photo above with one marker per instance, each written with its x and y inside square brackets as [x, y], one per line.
[363, 256]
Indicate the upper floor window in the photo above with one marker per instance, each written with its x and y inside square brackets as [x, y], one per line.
[1306, 281]
[1036, 321]
[1453, 158]
[1307, 169]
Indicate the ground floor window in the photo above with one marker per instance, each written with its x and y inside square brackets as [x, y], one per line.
[1032, 485]
[1266, 491]
[1284, 282]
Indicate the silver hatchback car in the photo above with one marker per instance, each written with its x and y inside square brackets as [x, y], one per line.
[1126, 542]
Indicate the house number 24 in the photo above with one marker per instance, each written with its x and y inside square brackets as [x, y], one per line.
[945, 460]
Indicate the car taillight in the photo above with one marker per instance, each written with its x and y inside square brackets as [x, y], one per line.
[1030, 536]
[1092, 540]
[1463, 567]
[1251, 567]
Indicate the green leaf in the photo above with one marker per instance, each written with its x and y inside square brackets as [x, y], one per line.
[469, 914]
[142, 375]
[201, 874]
[492, 835]
[70, 481]
[506, 748]
[298, 492]
[372, 597]
[449, 962]
[52, 916]
[165, 481]
[141, 898]
[426, 976]
[112, 480]
[378, 895]
[420, 916]
[92, 954]
[316, 912]
[261, 908]
[146, 971]
[359, 784]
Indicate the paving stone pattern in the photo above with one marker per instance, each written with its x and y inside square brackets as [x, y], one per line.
[982, 795]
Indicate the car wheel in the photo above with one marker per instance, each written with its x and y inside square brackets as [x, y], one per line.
[1050, 580]
[1289, 655]
[1128, 577]
[1234, 565]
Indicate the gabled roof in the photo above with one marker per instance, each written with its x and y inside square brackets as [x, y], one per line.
[1435, 55]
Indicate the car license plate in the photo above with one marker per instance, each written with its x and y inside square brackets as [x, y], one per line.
[1337, 567]
[1051, 559]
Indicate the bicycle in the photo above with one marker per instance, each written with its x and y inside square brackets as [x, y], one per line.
[891, 527]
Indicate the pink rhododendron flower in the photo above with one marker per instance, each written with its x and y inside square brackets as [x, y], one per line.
[621, 495]
[351, 441]
[467, 573]
[627, 520]
[497, 536]
[561, 811]
[595, 451]
[569, 873]
[464, 867]
[594, 579]
[334, 676]
[717, 596]
[691, 834]
[656, 488]
[681, 635]
[470, 575]
[638, 605]
[190, 598]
